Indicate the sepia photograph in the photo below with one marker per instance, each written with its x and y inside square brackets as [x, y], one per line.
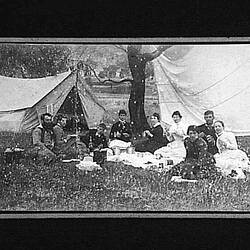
[124, 126]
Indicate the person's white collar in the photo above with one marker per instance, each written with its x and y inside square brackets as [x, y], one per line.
[220, 133]
[178, 123]
[158, 123]
[122, 121]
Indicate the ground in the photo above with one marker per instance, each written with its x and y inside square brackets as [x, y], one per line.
[117, 187]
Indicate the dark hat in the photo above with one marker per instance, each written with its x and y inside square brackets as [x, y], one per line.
[122, 112]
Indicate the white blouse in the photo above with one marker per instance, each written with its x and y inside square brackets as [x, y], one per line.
[226, 141]
[178, 130]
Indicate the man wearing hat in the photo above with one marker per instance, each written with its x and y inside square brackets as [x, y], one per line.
[121, 130]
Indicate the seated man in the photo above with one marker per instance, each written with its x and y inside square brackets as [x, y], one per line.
[96, 142]
[121, 130]
[66, 145]
[96, 139]
[43, 138]
[207, 132]
[60, 138]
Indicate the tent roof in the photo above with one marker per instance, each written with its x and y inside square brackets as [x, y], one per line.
[17, 93]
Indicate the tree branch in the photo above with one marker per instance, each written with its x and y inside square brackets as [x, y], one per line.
[108, 80]
[119, 47]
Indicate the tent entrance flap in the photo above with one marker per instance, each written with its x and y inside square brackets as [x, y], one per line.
[72, 107]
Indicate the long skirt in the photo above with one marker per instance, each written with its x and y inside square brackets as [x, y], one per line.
[194, 169]
[148, 146]
[174, 150]
[233, 163]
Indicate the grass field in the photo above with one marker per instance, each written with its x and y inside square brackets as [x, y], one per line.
[28, 186]
[117, 187]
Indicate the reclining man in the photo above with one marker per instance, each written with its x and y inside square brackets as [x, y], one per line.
[43, 139]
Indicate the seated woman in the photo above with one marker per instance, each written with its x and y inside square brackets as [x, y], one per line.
[230, 160]
[198, 163]
[155, 138]
[176, 135]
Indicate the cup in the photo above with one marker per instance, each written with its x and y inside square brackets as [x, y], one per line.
[117, 151]
[169, 162]
[130, 150]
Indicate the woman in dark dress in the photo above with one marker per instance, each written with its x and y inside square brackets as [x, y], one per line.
[199, 163]
[154, 136]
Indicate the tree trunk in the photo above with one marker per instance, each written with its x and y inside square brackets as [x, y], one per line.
[136, 107]
[137, 64]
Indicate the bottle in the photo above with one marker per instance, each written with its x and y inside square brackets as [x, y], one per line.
[79, 149]
[91, 146]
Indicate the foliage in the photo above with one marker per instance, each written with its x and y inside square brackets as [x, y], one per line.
[106, 57]
[32, 61]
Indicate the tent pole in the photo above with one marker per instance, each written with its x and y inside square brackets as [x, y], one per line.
[75, 112]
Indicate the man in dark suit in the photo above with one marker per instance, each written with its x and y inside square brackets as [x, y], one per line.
[66, 145]
[121, 130]
[96, 139]
[207, 132]
[96, 142]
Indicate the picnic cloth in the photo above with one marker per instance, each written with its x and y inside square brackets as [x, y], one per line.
[88, 166]
[119, 143]
[141, 160]
[180, 179]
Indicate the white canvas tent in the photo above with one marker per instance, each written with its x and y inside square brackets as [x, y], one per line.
[22, 101]
[196, 78]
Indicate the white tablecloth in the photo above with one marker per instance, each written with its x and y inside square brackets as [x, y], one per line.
[141, 160]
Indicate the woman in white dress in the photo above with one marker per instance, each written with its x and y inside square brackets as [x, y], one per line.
[176, 135]
[230, 160]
